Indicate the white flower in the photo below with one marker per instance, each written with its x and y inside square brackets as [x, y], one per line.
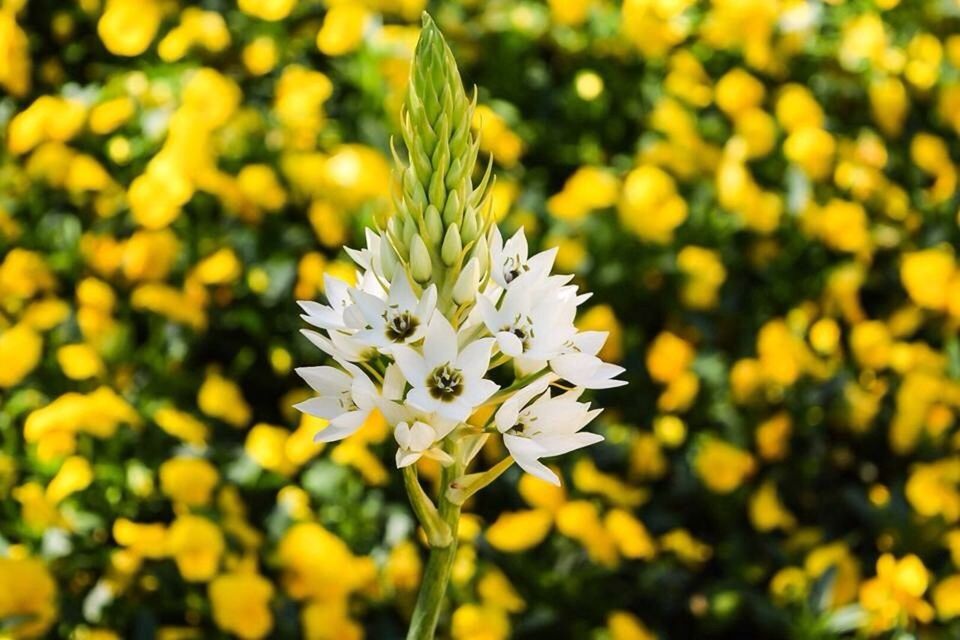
[446, 380]
[582, 367]
[547, 426]
[329, 316]
[509, 261]
[400, 319]
[534, 322]
[418, 440]
[346, 399]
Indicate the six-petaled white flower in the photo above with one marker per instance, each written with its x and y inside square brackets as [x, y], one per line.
[445, 379]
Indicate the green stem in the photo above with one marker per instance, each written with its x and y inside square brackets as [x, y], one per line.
[436, 577]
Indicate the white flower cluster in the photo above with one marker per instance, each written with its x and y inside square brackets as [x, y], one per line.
[427, 372]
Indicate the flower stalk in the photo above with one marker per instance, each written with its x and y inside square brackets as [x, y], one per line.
[440, 302]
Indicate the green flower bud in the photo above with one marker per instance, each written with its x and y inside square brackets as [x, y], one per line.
[388, 260]
[420, 263]
[465, 290]
[434, 226]
[452, 247]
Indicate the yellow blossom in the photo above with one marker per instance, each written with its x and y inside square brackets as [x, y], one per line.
[196, 545]
[189, 481]
[241, 604]
[721, 466]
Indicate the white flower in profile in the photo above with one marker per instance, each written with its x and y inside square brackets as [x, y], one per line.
[537, 425]
[445, 379]
[510, 260]
[329, 316]
[419, 440]
[400, 319]
[581, 366]
[346, 399]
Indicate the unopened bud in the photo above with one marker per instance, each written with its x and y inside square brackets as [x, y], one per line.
[465, 289]
[434, 225]
[452, 247]
[420, 265]
[388, 259]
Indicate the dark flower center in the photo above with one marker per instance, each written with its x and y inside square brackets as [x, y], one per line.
[445, 383]
[400, 326]
[512, 268]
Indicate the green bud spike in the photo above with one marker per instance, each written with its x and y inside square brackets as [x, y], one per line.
[452, 247]
[420, 264]
[388, 260]
[438, 211]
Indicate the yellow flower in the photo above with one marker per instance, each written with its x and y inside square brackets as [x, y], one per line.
[189, 481]
[668, 357]
[318, 565]
[15, 48]
[266, 445]
[196, 545]
[889, 104]
[690, 550]
[650, 206]
[737, 91]
[704, 273]
[631, 536]
[75, 474]
[570, 12]
[328, 620]
[148, 540]
[79, 361]
[895, 596]
[721, 466]
[946, 597]
[110, 115]
[222, 399]
[588, 479]
[127, 27]
[518, 531]
[404, 568]
[926, 276]
[655, 26]
[773, 437]
[623, 625]
[169, 302]
[835, 555]
[933, 489]
[495, 589]
[343, 29]
[588, 189]
[28, 597]
[267, 9]
[789, 584]
[260, 55]
[20, 351]
[580, 521]
[24, 274]
[220, 267]
[241, 604]
[767, 513]
[871, 344]
[479, 622]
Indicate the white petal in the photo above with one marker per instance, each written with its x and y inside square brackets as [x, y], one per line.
[561, 444]
[474, 360]
[393, 382]
[526, 452]
[321, 407]
[440, 343]
[412, 365]
[325, 380]
[407, 458]
[341, 427]
[420, 398]
[510, 344]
